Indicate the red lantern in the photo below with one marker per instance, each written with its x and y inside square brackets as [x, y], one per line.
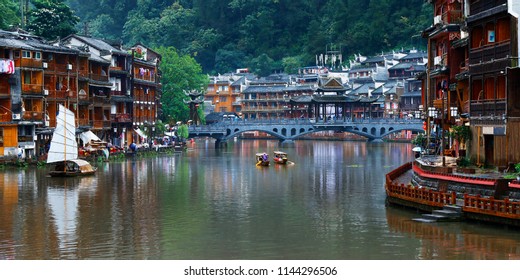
[424, 126]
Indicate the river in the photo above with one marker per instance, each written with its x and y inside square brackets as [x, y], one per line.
[216, 204]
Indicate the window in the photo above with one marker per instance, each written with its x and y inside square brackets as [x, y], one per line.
[37, 55]
[26, 54]
[1, 136]
[16, 54]
[27, 77]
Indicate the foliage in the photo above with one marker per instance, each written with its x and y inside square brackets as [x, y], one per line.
[420, 140]
[277, 28]
[182, 131]
[262, 65]
[51, 19]
[9, 16]
[461, 133]
[179, 73]
[463, 162]
[160, 127]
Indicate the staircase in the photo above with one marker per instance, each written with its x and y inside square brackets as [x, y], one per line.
[449, 213]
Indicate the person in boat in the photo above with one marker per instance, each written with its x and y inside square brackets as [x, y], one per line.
[264, 157]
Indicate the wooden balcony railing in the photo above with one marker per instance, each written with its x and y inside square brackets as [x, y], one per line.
[32, 88]
[488, 108]
[33, 116]
[5, 117]
[122, 118]
[32, 63]
[83, 122]
[100, 124]
[97, 77]
[453, 16]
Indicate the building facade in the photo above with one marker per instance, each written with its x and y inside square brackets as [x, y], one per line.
[112, 91]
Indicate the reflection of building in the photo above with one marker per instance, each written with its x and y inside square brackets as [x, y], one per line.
[8, 209]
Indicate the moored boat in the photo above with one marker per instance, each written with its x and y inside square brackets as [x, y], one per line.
[426, 184]
[262, 159]
[72, 168]
[63, 151]
[280, 157]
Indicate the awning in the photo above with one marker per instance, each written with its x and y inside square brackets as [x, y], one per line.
[88, 136]
[140, 132]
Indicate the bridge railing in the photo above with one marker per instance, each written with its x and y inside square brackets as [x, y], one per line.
[239, 122]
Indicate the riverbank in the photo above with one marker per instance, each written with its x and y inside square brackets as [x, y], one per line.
[427, 184]
[14, 161]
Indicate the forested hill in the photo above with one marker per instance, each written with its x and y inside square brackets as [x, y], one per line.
[226, 34]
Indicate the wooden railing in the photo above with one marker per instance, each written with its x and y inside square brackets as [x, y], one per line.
[33, 116]
[5, 117]
[32, 88]
[504, 208]
[490, 206]
[416, 194]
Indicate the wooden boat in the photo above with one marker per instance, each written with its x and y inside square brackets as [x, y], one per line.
[280, 157]
[63, 152]
[262, 159]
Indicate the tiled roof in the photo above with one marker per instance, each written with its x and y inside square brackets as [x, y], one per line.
[99, 44]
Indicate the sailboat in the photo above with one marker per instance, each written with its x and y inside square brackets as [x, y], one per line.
[63, 152]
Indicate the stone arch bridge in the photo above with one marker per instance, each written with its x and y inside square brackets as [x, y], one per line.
[287, 130]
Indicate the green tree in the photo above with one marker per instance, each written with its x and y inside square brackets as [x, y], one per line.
[291, 64]
[51, 19]
[182, 132]
[179, 73]
[262, 65]
[9, 18]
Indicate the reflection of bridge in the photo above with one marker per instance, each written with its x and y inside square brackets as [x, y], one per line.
[291, 129]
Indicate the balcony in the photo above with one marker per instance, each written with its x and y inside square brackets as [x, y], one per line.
[122, 118]
[100, 124]
[32, 88]
[61, 94]
[493, 108]
[33, 116]
[97, 77]
[452, 17]
[31, 63]
[5, 117]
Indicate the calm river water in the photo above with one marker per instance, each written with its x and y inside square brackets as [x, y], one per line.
[209, 203]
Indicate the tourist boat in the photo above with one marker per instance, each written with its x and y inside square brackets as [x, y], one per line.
[63, 151]
[431, 183]
[262, 159]
[280, 157]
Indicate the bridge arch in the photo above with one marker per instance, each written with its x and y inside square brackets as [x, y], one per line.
[293, 129]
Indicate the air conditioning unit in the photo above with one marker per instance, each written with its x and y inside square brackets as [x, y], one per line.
[69, 66]
[45, 92]
[45, 65]
[437, 20]
[17, 116]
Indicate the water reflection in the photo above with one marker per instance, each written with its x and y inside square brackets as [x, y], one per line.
[217, 204]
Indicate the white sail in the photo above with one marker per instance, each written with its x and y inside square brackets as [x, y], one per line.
[63, 144]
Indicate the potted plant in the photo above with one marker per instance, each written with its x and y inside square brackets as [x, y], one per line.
[461, 134]
[463, 166]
